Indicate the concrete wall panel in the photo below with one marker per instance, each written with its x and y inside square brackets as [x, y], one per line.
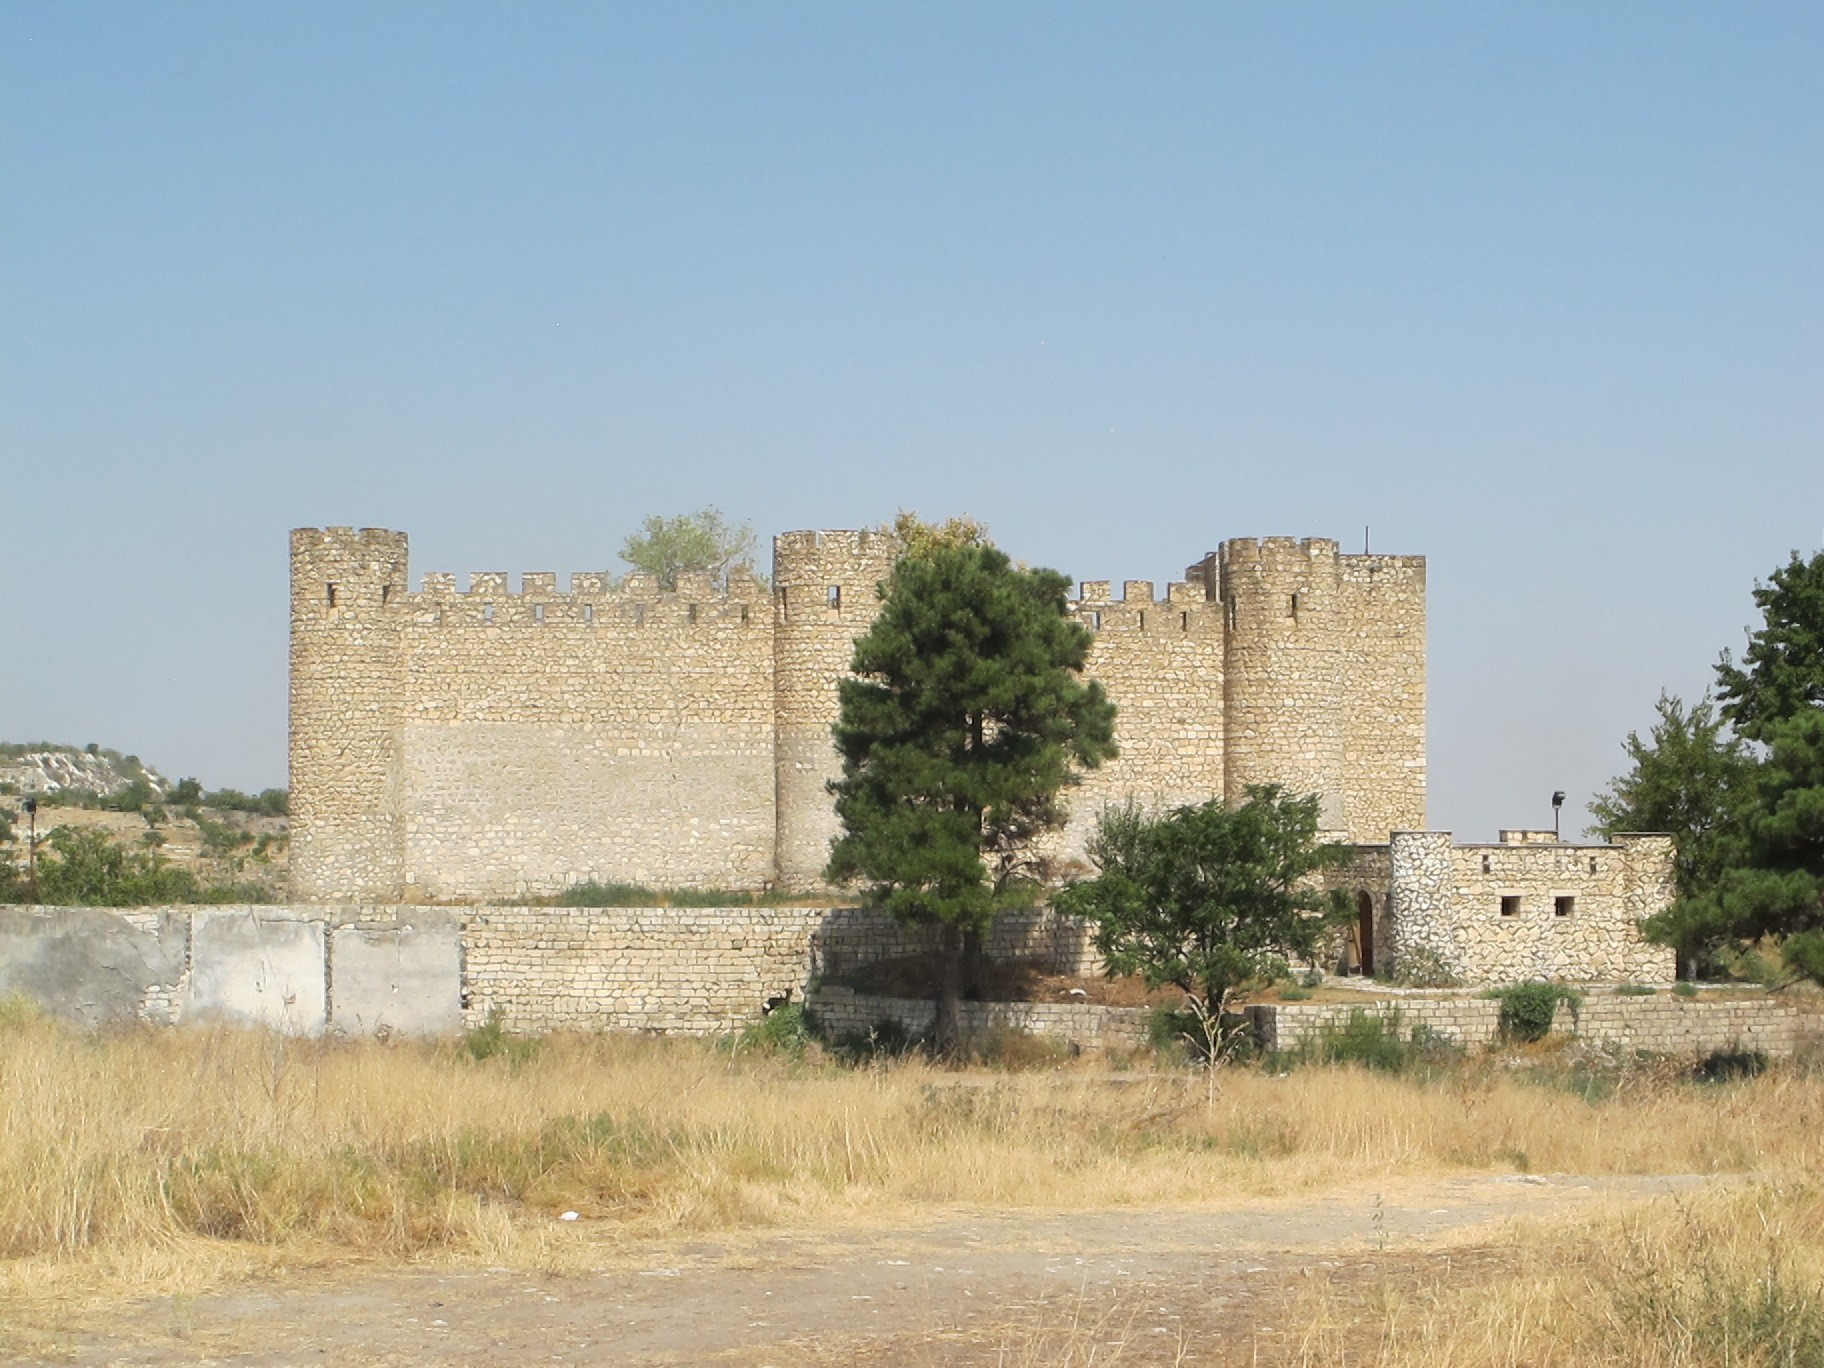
[93, 964]
[405, 980]
[257, 966]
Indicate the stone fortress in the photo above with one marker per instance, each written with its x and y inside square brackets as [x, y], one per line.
[487, 745]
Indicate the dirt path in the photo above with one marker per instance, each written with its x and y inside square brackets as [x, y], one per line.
[1146, 1286]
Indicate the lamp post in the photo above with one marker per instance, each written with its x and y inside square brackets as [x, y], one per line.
[1557, 805]
[31, 847]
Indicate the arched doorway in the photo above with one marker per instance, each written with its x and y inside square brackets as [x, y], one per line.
[1364, 932]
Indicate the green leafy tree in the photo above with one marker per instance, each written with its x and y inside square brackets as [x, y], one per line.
[1690, 777]
[966, 719]
[1782, 671]
[1209, 898]
[703, 542]
[78, 867]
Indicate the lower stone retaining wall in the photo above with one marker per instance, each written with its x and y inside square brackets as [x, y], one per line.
[1672, 1025]
[427, 970]
[843, 1011]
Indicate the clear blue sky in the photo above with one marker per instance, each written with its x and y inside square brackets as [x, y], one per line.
[1533, 289]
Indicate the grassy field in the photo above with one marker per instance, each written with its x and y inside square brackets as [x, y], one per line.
[174, 1159]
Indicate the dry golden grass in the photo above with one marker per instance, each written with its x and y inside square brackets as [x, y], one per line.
[171, 1158]
[1721, 1279]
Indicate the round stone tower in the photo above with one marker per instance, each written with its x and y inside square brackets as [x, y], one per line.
[825, 595]
[1283, 681]
[348, 591]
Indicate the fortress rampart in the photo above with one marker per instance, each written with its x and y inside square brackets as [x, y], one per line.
[485, 744]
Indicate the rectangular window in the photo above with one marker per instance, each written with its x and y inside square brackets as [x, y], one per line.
[588, 612]
[1095, 622]
[487, 612]
[693, 612]
[1295, 607]
[834, 595]
[1510, 905]
[1563, 906]
[330, 593]
[538, 612]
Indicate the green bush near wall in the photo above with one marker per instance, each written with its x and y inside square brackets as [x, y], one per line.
[1528, 1009]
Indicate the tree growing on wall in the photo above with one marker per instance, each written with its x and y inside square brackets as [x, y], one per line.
[704, 542]
[966, 719]
[1208, 898]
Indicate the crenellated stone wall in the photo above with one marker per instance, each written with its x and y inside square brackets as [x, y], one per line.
[490, 745]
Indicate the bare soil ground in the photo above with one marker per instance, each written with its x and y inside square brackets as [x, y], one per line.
[1215, 1285]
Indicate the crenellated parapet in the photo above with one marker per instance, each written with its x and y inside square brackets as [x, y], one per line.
[594, 599]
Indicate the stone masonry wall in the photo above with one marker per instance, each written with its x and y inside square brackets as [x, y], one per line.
[622, 736]
[842, 1011]
[825, 595]
[489, 745]
[1161, 661]
[1449, 901]
[382, 970]
[1692, 1028]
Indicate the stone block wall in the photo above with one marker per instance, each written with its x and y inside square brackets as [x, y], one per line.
[1462, 1020]
[1324, 683]
[385, 970]
[826, 593]
[1161, 661]
[842, 1011]
[1526, 910]
[1691, 1028]
[488, 745]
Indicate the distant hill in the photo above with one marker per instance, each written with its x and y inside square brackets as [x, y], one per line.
[43, 767]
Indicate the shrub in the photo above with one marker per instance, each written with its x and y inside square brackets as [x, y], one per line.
[784, 1030]
[1527, 1009]
[1635, 990]
[491, 1039]
[1293, 993]
[1724, 1065]
[1685, 988]
[1366, 1038]
[885, 1039]
[1005, 1048]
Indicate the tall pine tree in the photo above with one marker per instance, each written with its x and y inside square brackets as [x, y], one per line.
[965, 721]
